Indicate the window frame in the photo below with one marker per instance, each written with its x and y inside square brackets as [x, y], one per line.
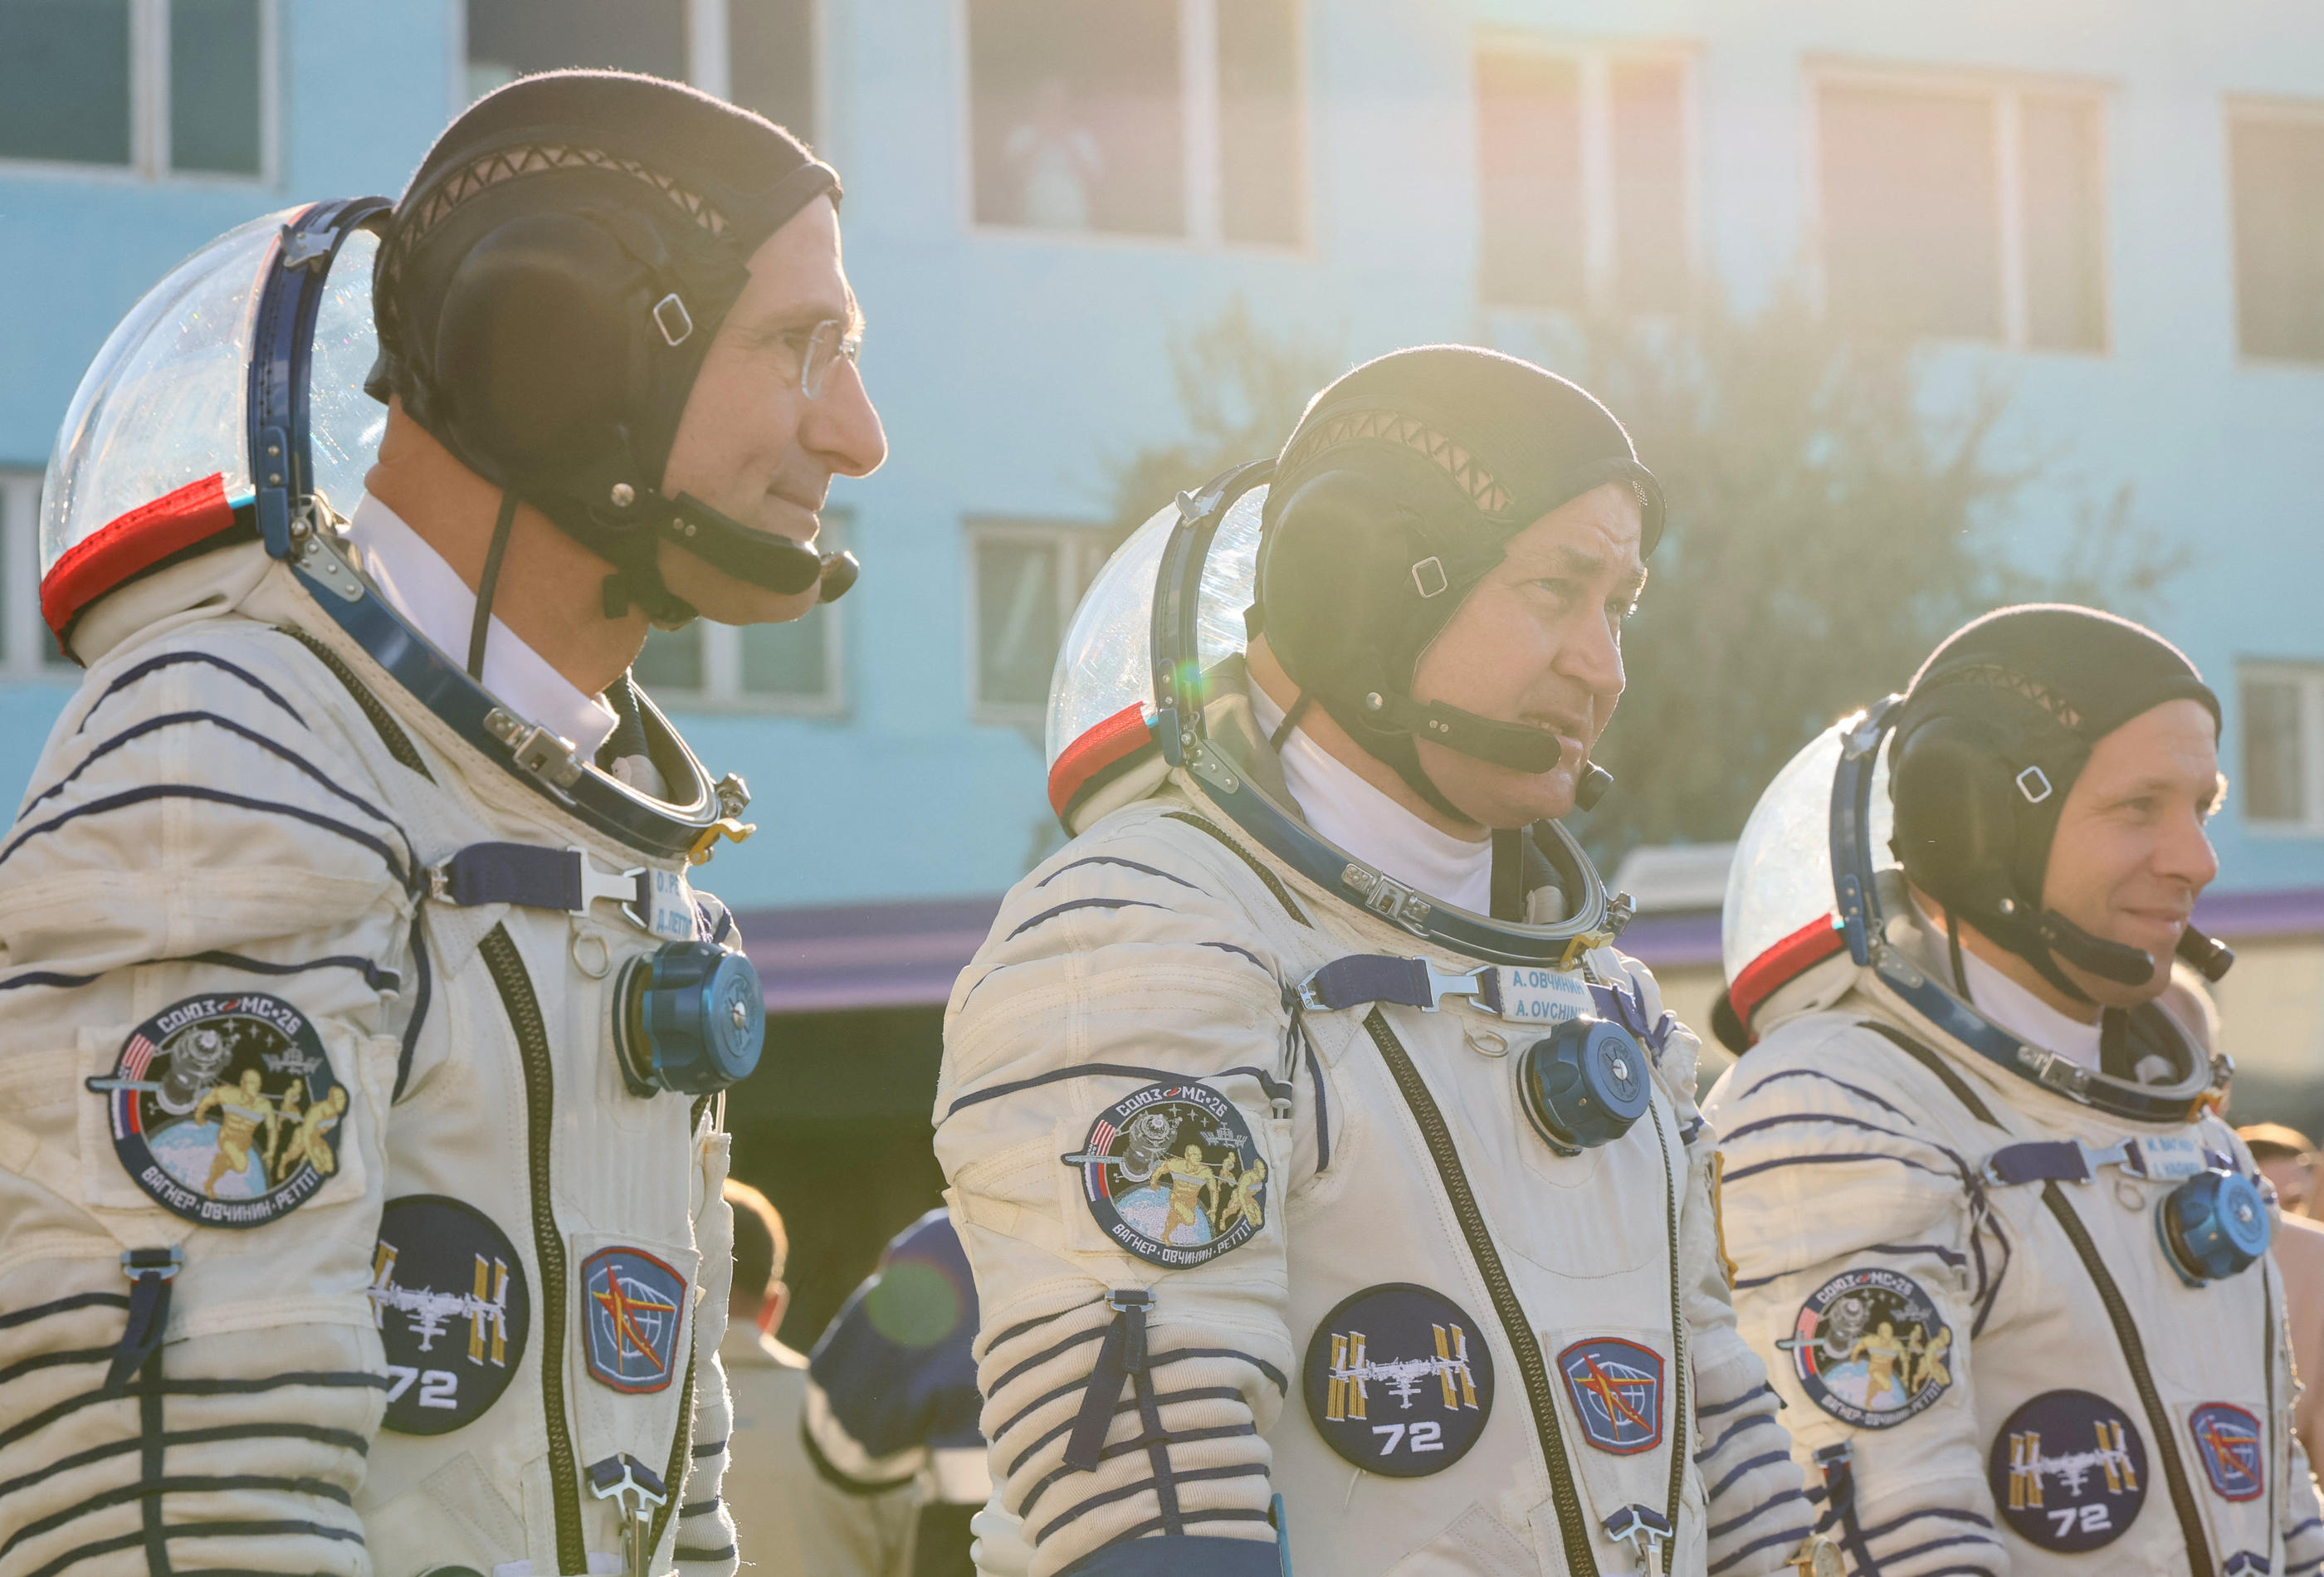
[723, 692]
[709, 59]
[149, 112]
[2266, 110]
[1593, 60]
[2307, 679]
[1201, 179]
[2006, 91]
[1085, 546]
[26, 647]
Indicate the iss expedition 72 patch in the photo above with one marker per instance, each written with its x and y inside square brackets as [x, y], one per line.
[448, 1295]
[2068, 1472]
[1871, 1348]
[1400, 1381]
[224, 1109]
[1173, 1175]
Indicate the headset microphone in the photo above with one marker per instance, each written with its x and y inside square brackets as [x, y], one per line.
[2211, 957]
[2131, 966]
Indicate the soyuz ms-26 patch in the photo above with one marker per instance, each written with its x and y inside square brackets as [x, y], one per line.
[224, 1109]
[1173, 1175]
[1871, 1348]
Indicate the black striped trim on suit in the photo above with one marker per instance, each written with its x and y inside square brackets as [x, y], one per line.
[276, 1527]
[345, 1439]
[171, 659]
[175, 719]
[1154, 1360]
[152, 791]
[146, 1387]
[1274, 1088]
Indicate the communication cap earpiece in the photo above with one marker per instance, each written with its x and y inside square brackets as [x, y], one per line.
[547, 287]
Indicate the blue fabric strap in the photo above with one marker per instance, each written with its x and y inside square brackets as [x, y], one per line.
[517, 873]
[2041, 1161]
[1123, 1355]
[1348, 982]
[150, 1273]
[1837, 1464]
[1407, 982]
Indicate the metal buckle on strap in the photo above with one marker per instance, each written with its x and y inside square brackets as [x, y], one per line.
[1437, 983]
[623, 887]
[635, 1489]
[1647, 1531]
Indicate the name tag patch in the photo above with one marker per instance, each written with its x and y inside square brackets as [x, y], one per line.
[1871, 1348]
[1615, 1388]
[1531, 995]
[1172, 1175]
[2227, 1439]
[632, 1313]
[448, 1294]
[224, 1109]
[1400, 1381]
[2068, 1472]
[670, 904]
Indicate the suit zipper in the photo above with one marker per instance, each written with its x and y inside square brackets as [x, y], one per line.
[523, 1009]
[1574, 1528]
[1682, 1432]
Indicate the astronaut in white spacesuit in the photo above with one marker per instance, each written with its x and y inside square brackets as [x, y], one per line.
[356, 828]
[1334, 1188]
[2007, 1264]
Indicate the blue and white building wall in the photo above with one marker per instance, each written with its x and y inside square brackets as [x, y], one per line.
[2118, 208]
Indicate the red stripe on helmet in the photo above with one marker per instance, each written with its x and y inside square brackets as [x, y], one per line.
[130, 544]
[1115, 740]
[1759, 980]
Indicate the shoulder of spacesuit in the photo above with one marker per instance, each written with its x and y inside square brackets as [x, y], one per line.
[1153, 910]
[1827, 1107]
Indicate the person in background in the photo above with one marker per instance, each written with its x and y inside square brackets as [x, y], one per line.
[891, 1406]
[2285, 1156]
[789, 1522]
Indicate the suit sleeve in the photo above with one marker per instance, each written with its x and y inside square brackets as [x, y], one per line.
[1795, 1136]
[1757, 1511]
[199, 830]
[1132, 964]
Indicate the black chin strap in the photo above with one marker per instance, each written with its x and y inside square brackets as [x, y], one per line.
[480, 627]
[1531, 751]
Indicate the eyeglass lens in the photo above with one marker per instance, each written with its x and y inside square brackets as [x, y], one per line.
[829, 341]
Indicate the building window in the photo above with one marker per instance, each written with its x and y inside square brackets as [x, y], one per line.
[1027, 579]
[793, 669]
[156, 87]
[2276, 158]
[758, 53]
[27, 649]
[1968, 211]
[1584, 179]
[1140, 117]
[2281, 785]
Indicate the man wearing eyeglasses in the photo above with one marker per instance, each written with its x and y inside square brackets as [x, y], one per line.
[433, 924]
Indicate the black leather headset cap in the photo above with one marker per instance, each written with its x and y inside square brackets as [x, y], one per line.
[553, 274]
[1398, 493]
[1997, 724]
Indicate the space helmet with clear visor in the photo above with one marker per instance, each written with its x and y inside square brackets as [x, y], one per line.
[1816, 876]
[229, 405]
[1138, 670]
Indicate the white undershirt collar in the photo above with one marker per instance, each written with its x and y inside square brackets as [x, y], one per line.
[2024, 1014]
[430, 593]
[1342, 808]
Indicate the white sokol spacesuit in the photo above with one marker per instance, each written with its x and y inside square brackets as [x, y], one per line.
[1243, 1229]
[360, 1168]
[2008, 1342]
